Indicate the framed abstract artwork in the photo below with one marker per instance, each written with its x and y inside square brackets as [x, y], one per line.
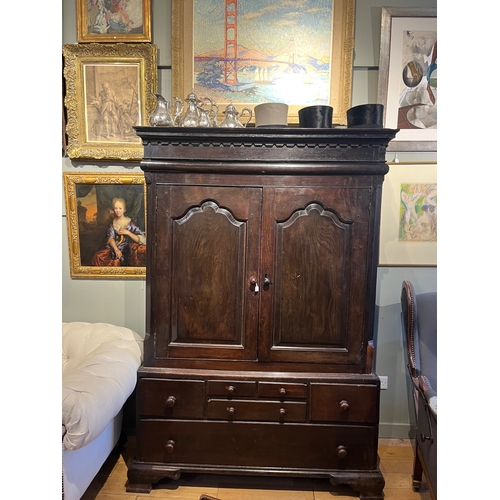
[113, 21]
[407, 80]
[109, 90]
[246, 52]
[409, 220]
[106, 221]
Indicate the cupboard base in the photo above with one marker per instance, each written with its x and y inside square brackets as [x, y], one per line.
[143, 476]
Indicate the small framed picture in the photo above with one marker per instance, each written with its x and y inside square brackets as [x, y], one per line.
[113, 20]
[407, 78]
[106, 220]
[109, 90]
[409, 220]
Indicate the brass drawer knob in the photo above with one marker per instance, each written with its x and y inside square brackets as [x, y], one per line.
[341, 451]
[170, 446]
[282, 411]
[282, 391]
[171, 400]
[344, 405]
[231, 410]
[230, 389]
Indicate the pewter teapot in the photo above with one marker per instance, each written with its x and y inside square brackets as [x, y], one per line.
[231, 117]
[192, 114]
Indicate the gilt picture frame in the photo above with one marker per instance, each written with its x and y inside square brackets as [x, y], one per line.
[271, 56]
[113, 21]
[109, 89]
[91, 199]
[407, 78]
[409, 217]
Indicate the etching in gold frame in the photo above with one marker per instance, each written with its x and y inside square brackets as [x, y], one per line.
[340, 66]
[130, 70]
[86, 235]
[87, 10]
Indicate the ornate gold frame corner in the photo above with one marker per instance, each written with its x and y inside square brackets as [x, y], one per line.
[111, 58]
[71, 180]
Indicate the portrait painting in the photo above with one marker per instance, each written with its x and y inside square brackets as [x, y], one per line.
[109, 90]
[253, 51]
[114, 20]
[106, 221]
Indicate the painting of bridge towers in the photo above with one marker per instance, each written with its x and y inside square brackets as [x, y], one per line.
[252, 51]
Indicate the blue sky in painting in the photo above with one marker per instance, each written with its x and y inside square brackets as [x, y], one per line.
[267, 26]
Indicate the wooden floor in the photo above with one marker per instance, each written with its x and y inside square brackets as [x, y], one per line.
[396, 463]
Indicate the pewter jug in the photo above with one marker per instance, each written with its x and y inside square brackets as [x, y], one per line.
[231, 118]
[161, 116]
[208, 117]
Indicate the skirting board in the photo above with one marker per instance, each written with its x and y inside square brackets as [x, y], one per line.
[396, 431]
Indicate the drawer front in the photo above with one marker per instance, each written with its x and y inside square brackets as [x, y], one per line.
[248, 444]
[231, 388]
[270, 411]
[281, 390]
[344, 403]
[170, 398]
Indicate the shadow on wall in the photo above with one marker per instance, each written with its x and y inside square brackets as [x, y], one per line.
[396, 405]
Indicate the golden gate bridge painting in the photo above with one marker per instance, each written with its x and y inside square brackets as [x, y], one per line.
[253, 51]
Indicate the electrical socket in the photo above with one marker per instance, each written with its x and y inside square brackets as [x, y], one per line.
[383, 381]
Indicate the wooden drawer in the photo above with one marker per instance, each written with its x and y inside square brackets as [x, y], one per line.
[282, 390]
[231, 388]
[264, 411]
[344, 403]
[170, 398]
[256, 444]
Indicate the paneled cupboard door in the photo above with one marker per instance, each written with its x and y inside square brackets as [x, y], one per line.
[206, 266]
[274, 274]
[315, 256]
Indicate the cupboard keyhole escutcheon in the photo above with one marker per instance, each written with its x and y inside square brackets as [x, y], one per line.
[171, 400]
[253, 285]
[344, 405]
[170, 446]
[341, 451]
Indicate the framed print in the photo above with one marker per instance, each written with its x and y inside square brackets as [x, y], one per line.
[106, 218]
[249, 52]
[113, 20]
[408, 226]
[407, 80]
[109, 90]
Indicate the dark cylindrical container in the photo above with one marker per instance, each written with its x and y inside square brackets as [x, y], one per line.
[316, 117]
[366, 116]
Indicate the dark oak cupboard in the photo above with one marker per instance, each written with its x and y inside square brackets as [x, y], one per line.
[262, 248]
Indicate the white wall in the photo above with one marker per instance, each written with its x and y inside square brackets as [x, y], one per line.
[123, 301]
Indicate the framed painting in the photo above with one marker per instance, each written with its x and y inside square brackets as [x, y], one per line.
[408, 226]
[407, 79]
[113, 20]
[246, 52]
[106, 220]
[109, 90]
